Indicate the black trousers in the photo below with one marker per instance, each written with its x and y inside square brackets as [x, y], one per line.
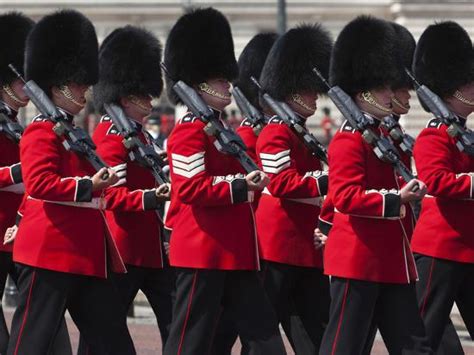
[356, 305]
[200, 297]
[156, 284]
[450, 343]
[62, 343]
[299, 296]
[45, 295]
[443, 282]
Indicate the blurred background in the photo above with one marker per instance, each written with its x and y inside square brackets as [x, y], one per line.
[248, 17]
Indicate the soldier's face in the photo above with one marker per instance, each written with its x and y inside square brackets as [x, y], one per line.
[303, 103]
[216, 94]
[382, 102]
[465, 106]
[17, 87]
[137, 107]
[401, 101]
[70, 97]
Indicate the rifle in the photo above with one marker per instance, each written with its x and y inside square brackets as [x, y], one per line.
[254, 116]
[403, 140]
[229, 142]
[13, 130]
[382, 147]
[75, 138]
[286, 114]
[464, 136]
[143, 154]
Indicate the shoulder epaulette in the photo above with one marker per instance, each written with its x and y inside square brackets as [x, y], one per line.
[40, 118]
[246, 123]
[105, 118]
[434, 123]
[113, 131]
[188, 118]
[346, 127]
[275, 120]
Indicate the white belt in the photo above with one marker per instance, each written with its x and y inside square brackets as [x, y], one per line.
[314, 201]
[96, 203]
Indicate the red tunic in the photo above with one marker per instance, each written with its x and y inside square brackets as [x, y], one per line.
[60, 230]
[327, 210]
[131, 204]
[445, 227]
[214, 224]
[11, 186]
[368, 240]
[288, 210]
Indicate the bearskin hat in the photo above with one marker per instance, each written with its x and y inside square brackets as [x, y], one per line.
[199, 48]
[62, 47]
[405, 48]
[14, 28]
[444, 58]
[129, 64]
[364, 55]
[251, 63]
[289, 65]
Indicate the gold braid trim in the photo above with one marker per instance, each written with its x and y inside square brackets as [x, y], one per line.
[367, 96]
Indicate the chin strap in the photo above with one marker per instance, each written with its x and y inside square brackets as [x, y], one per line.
[399, 104]
[459, 96]
[367, 97]
[64, 89]
[205, 87]
[136, 101]
[11, 94]
[299, 100]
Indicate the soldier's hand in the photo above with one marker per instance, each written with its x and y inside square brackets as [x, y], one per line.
[319, 239]
[163, 155]
[98, 181]
[167, 248]
[257, 180]
[408, 195]
[163, 192]
[10, 235]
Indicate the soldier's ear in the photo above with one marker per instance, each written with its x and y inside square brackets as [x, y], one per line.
[55, 91]
[125, 102]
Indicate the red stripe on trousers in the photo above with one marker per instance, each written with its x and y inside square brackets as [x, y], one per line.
[188, 313]
[346, 290]
[428, 287]
[27, 309]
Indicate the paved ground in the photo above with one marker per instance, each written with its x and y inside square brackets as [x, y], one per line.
[147, 338]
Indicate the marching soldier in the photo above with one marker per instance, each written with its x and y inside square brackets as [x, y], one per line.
[14, 28]
[289, 206]
[250, 63]
[62, 248]
[367, 253]
[442, 239]
[213, 241]
[130, 76]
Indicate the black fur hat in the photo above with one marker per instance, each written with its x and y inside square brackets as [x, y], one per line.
[364, 55]
[129, 64]
[289, 65]
[405, 48]
[444, 58]
[61, 48]
[14, 28]
[251, 63]
[199, 48]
